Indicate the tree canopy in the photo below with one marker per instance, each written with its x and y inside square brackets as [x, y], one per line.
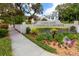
[8, 12]
[68, 11]
[31, 9]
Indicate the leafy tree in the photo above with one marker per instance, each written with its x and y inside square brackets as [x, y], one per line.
[44, 36]
[9, 12]
[31, 7]
[68, 11]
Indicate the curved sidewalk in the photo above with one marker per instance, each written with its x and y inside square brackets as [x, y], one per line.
[22, 46]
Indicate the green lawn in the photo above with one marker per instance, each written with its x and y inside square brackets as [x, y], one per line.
[5, 47]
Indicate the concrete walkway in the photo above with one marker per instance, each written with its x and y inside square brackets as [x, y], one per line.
[24, 47]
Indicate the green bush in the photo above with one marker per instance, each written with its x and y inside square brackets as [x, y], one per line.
[73, 29]
[18, 20]
[72, 36]
[46, 47]
[59, 37]
[3, 32]
[28, 30]
[75, 36]
[34, 30]
[48, 36]
[44, 36]
[40, 37]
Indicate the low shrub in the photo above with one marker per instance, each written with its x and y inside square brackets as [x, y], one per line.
[73, 29]
[48, 36]
[72, 36]
[28, 30]
[75, 36]
[3, 32]
[34, 30]
[40, 37]
[46, 47]
[44, 36]
[59, 37]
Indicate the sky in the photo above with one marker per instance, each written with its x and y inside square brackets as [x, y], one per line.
[49, 7]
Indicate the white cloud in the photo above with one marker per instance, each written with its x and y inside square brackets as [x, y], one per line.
[49, 10]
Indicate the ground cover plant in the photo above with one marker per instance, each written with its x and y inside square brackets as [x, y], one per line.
[5, 46]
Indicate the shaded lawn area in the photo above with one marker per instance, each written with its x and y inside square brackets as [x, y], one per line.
[5, 47]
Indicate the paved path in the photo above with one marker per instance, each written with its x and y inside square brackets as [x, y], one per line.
[24, 47]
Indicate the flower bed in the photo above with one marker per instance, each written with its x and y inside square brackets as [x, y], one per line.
[53, 41]
[41, 44]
